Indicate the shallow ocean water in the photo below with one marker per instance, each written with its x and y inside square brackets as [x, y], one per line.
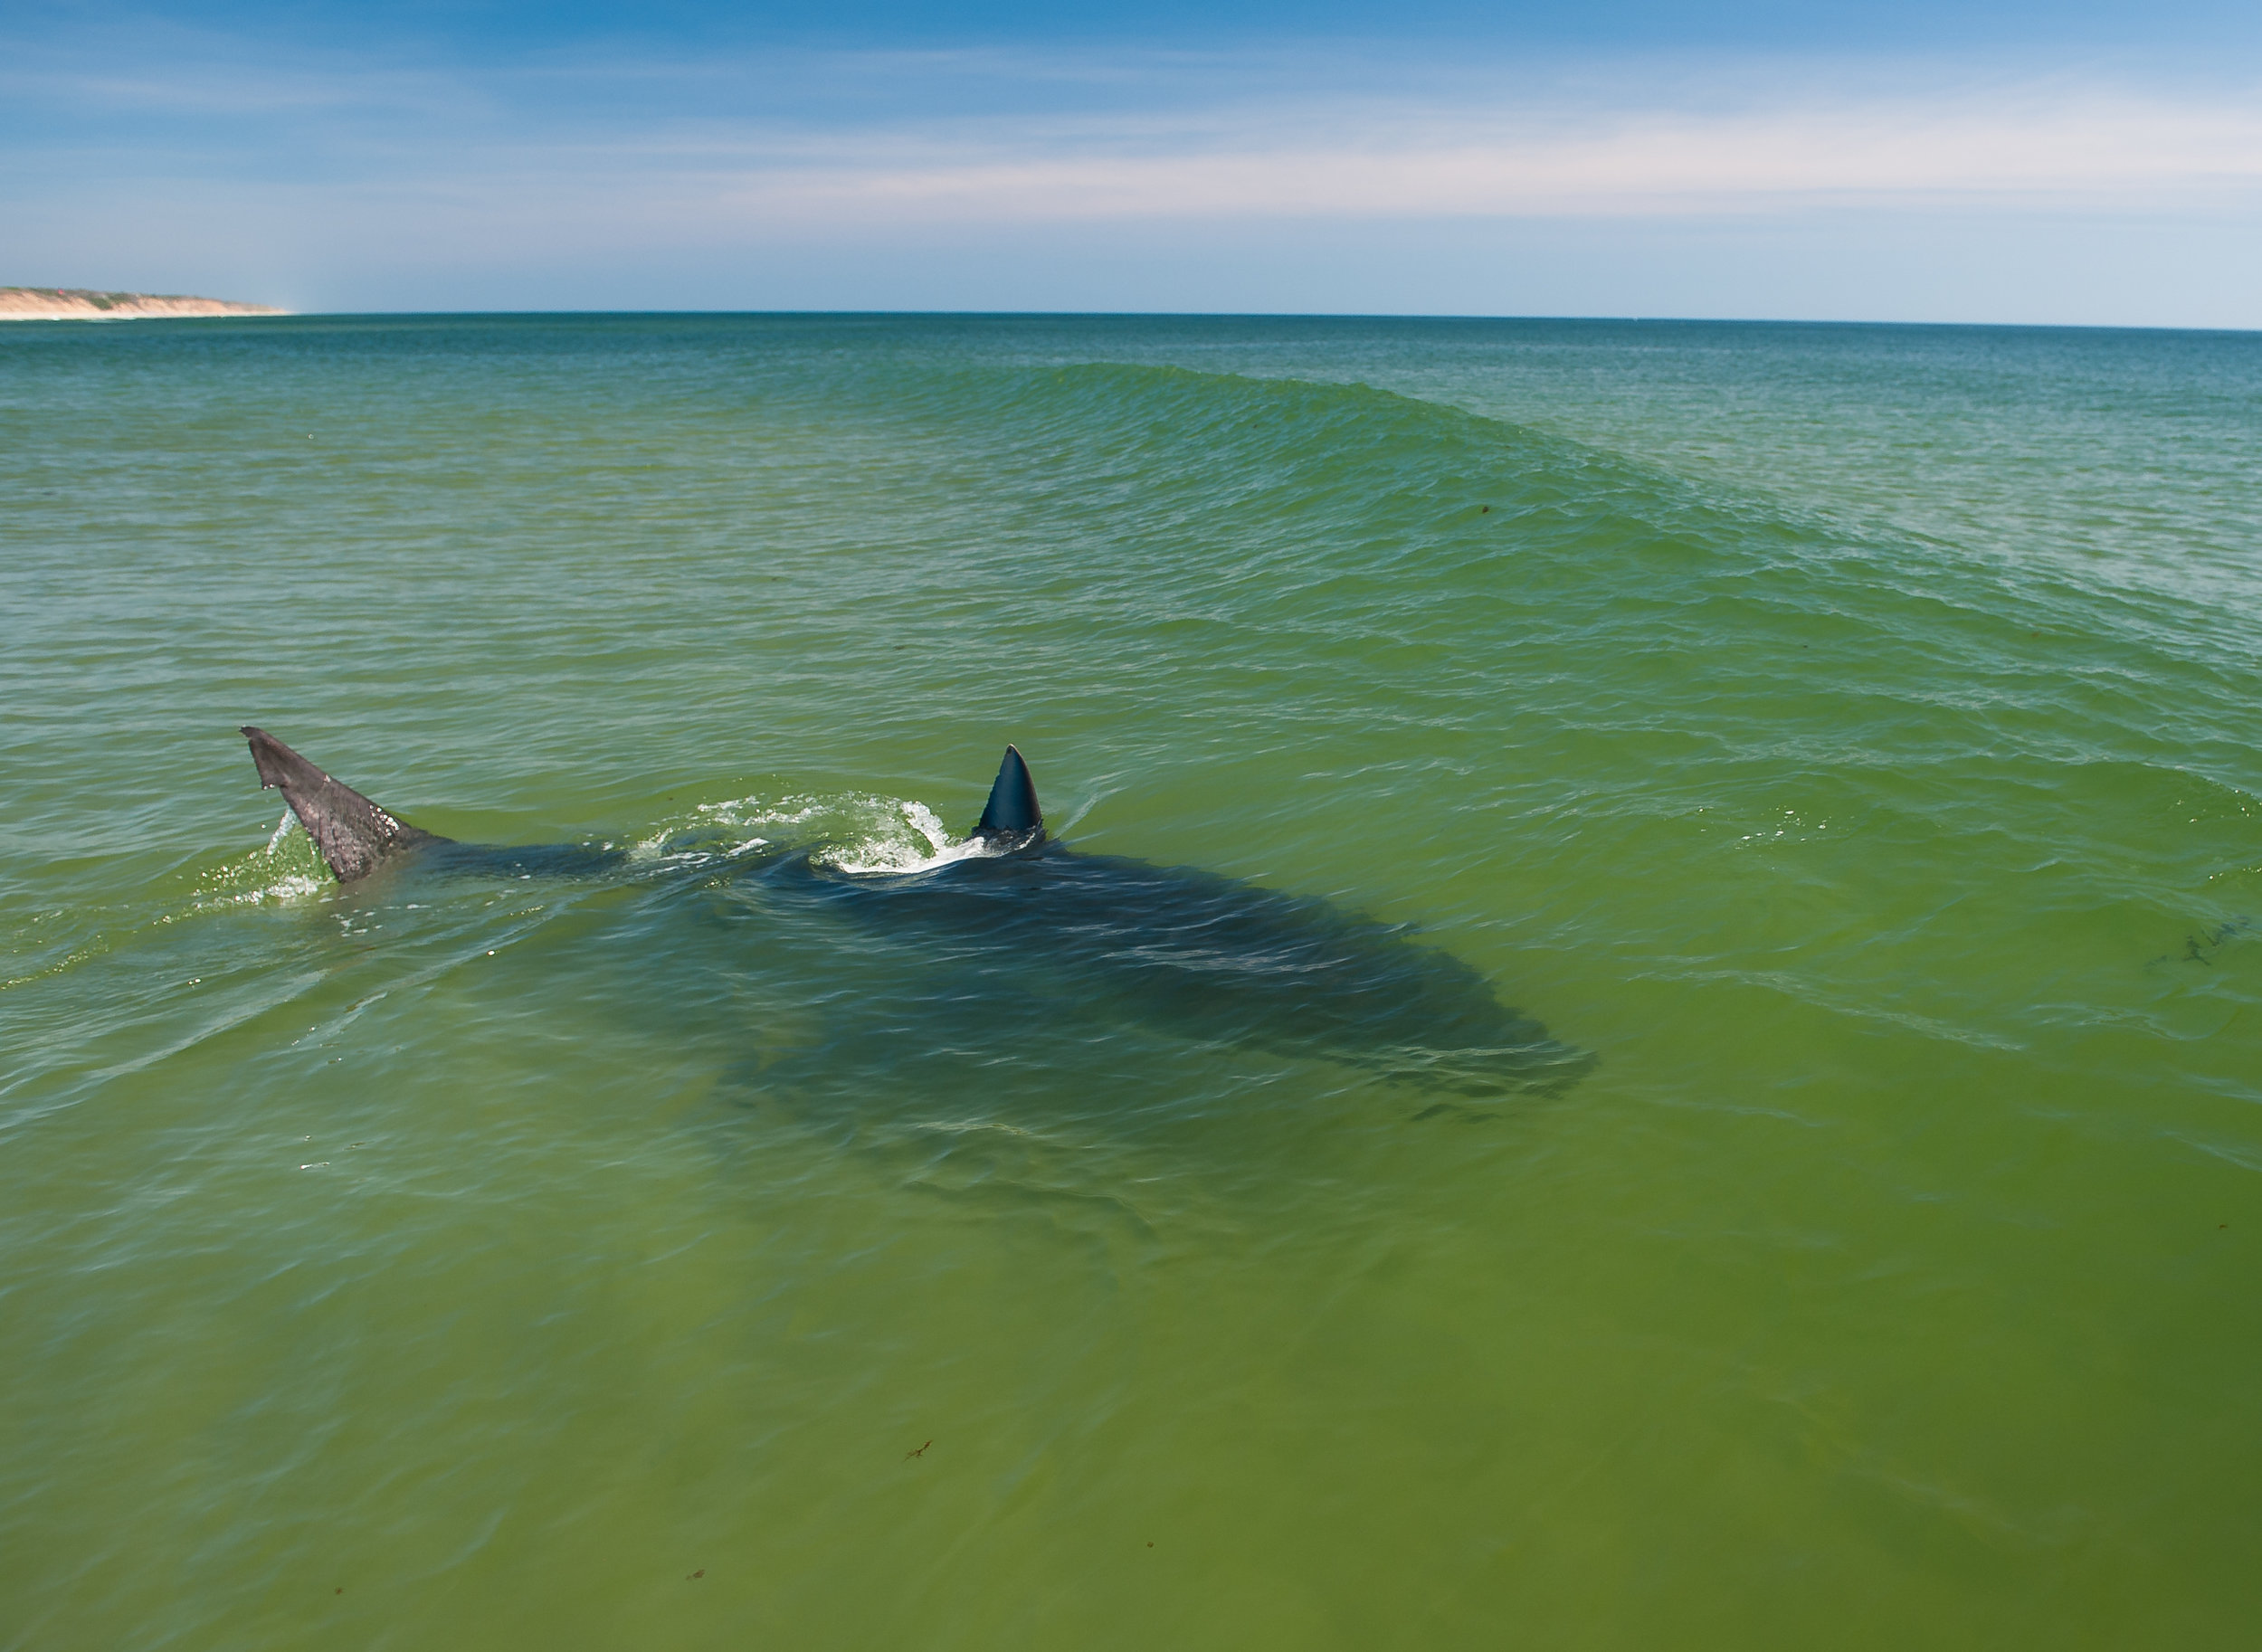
[1848, 739]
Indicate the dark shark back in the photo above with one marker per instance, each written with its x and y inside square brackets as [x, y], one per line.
[352, 833]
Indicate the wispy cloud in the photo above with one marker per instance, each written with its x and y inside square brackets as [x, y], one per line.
[2080, 150]
[816, 138]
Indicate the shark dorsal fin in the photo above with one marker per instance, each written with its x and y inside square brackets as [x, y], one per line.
[352, 833]
[1012, 815]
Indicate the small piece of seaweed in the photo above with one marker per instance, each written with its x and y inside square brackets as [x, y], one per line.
[2210, 939]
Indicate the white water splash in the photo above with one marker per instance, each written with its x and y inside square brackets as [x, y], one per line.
[919, 844]
[858, 833]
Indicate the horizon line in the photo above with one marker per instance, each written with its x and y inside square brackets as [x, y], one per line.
[1095, 315]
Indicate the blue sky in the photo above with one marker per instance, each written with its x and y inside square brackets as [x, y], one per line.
[2085, 163]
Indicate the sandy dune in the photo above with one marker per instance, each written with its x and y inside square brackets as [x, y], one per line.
[76, 304]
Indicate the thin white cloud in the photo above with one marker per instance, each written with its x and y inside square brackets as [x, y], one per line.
[2093, 151]
[1030, 136]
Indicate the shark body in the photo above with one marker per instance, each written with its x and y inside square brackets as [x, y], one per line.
[1209, 956]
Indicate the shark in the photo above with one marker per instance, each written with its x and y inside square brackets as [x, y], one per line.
[1019, 910]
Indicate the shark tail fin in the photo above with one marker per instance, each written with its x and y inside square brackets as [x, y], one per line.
[1012, 815]
[352, 833]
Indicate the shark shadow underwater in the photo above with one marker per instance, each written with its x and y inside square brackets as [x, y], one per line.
[1199, 956]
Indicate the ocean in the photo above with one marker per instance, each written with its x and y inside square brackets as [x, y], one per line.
[1841, 745]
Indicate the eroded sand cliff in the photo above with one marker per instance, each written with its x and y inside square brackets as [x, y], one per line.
[78, 304]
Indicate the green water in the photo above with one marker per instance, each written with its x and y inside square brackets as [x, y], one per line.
[1847, 738]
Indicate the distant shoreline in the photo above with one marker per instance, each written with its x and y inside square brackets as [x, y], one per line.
[80, 304]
